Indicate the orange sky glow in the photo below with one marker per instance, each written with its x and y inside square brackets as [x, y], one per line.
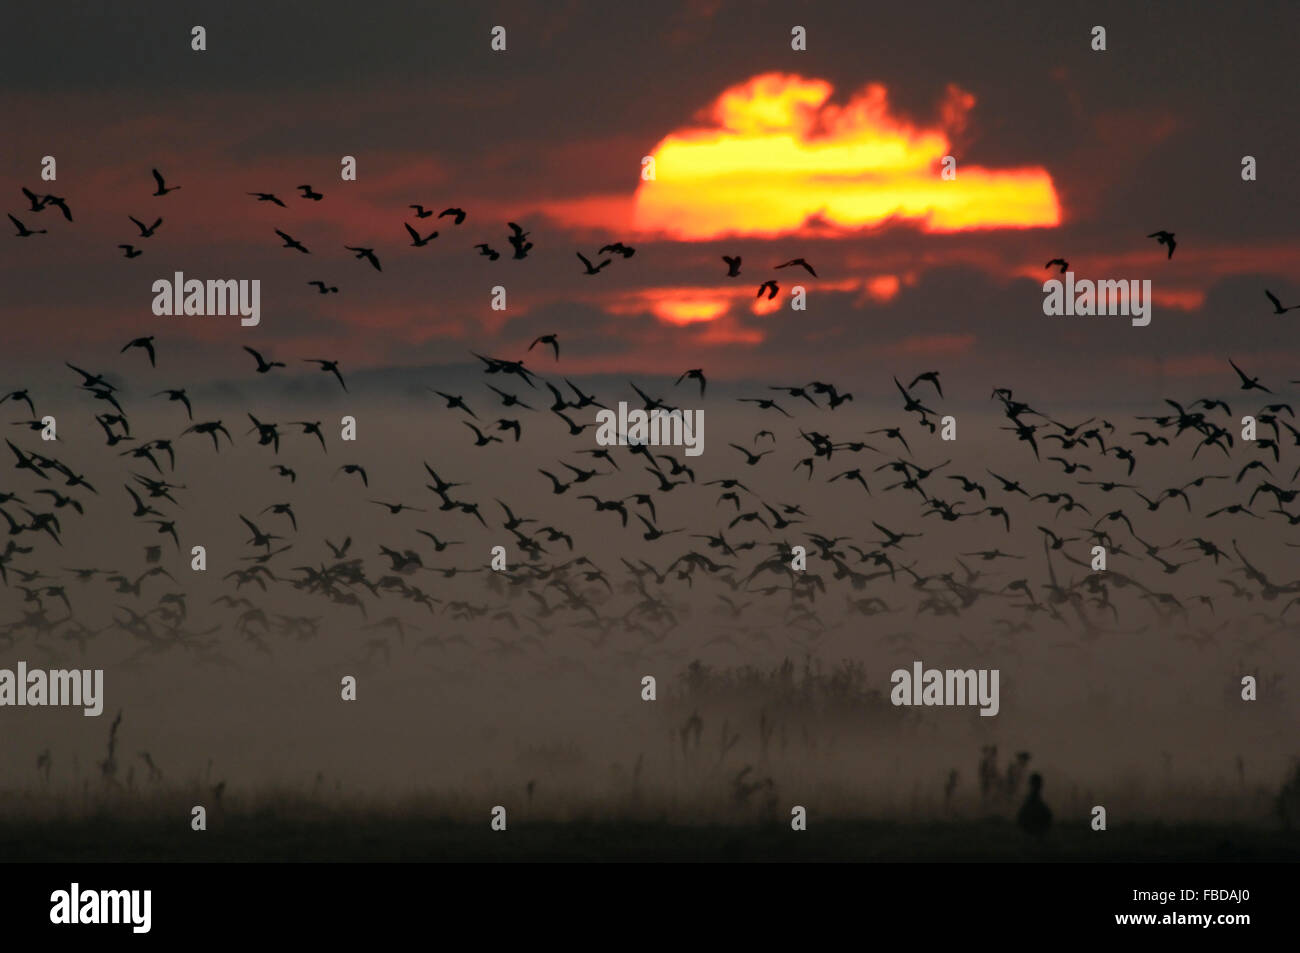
[773, 153]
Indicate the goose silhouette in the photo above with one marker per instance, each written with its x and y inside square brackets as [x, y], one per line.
[1034, 817]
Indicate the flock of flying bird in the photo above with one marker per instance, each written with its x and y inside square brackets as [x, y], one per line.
[1083, 491]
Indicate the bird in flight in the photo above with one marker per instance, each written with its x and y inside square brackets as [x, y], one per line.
[309, 193]
[750, 458]
[1248, 383]
[695, 373]
[618, 248]
[211, 428]
[1166, 239]
[771, 287]
[291, 242]
[16, 396]
[931, 376]
[416, 240]
[396, 508]
[131, 251]
[487, 251]
[181, 396]
[262, 364]
[507, 400]
[518, 240]
[481, 440]
[455, 402]
[801, 263]
[1277, 305]
[1060, 263]
[311, 428]
[733, 265]
[147, 344]
[24, 231]
[329, 367]
[145, 230]
[366, 253]
[592, 270]
[162, 185]
[59, 203]
[351, 468]
[458, 212]
[268, 197]
[420, 211]
[550, 339]
[323, 288]
[763, 403]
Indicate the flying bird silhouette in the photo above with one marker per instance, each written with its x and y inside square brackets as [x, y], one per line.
[263, 366]
[24, 231]
[146, 231]
[147, 344]
[291, 242]
[19, 395]
[697, 374]
[1166, 239]
[162, 185]
[801, 264]
[592, 270]
[329, 367]
[351, 468]
[550, 339]
[518, 240]
[931, 376]
[59, 203]
[1277, 305]
[178, 395]
[366, 253]
[416, 241]
[1248, 383]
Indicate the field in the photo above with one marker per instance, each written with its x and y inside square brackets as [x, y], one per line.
[282, 834]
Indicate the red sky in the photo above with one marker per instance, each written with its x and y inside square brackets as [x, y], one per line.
[769, 155]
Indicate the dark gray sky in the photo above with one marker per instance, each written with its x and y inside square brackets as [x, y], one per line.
[1146, 135]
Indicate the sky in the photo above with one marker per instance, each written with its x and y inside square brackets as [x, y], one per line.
[831, 154]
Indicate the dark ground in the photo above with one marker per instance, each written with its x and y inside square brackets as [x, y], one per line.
[270, 836]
